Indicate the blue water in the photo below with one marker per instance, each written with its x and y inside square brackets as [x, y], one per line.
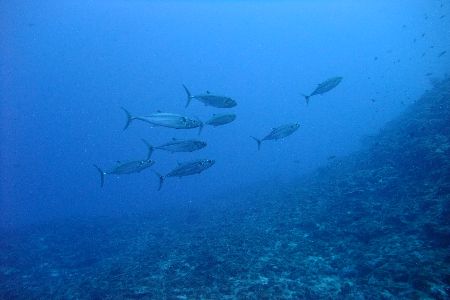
[67, 68]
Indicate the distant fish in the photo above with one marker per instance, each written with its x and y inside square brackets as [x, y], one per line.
[127, 168]
[375, 58]
[278, 133]
[221, 119]
[442, 53]
[324, 87]
[443, 16]
[429, 74]
[331, 157]
[178, 146]
[211, 100]
[373, 100]
[423, 34]
[186, 169]
[165, 120]
[414, 40]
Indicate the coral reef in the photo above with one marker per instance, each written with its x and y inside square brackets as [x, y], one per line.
[373, 225]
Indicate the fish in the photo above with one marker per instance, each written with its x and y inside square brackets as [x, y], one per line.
[324, 87]
[165, 120]
[130, 167]
[442, 53]
[177, 146]
[220, 119]
[186, 169]
[278, 133]
[210, 99]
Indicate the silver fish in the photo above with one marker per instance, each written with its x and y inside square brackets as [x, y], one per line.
[186, 169]
[178, 146]
[127, 167]
[221, 119]
[278, 133]
[324, 87]
[210, 99]
[165, 120]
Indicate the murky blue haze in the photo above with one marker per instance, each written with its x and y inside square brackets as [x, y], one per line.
[67, 68]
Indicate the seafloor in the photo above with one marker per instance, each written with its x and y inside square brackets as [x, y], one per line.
[373, 225]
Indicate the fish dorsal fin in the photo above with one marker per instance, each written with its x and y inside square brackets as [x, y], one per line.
[208, 92]
[214, 115]
[159, 111]
[118, 162]
[178, 163]
[174, 139]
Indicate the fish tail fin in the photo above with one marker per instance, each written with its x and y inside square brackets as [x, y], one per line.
[200, 128]
[189, 96]
[257, 141]
[150, 149]
[306, 98]
[129, 118]
[102, 175]
[161, 180]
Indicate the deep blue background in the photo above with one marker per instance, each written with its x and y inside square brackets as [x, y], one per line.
[67, 67]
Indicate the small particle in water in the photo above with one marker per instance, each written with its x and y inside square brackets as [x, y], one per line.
[375, 58]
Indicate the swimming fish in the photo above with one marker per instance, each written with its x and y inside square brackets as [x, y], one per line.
[278, 133]
[324, 87]
[442, 53]
[177, 146]
[186, 169]
[221, 119]
[165, 120]
[130, 167]
[210, 99]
